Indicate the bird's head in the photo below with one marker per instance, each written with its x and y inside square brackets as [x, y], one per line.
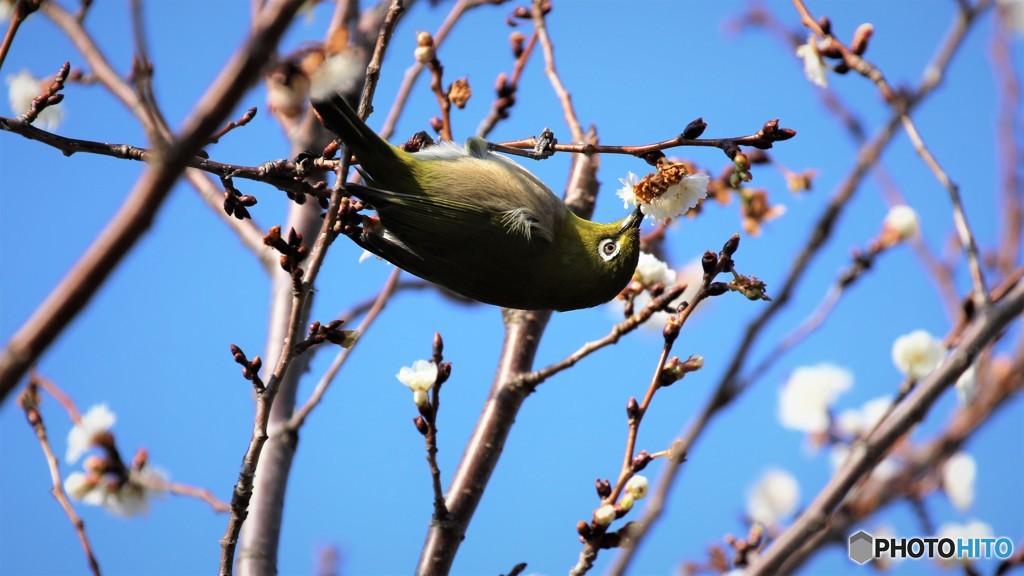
[603, 258]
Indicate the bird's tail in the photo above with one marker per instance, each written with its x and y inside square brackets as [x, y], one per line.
[375, 155]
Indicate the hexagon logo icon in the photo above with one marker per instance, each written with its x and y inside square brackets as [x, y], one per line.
[861, 547]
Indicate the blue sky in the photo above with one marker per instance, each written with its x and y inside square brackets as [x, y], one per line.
[640, 73]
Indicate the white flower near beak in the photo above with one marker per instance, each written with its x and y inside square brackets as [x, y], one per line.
[651, 271]
[672, 200]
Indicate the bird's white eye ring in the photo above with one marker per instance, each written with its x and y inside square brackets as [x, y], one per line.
[608, 249]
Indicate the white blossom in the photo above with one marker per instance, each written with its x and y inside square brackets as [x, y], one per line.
[78, 485]
[676, 200]
[6, 10]
[22, 89]
[604, 515]
[917, 354]
[807, 395]
[96, 421]
[814, 66]
[637, 486]
[135, 495]
[958, 480]
[690, 274]
[419, 378]
[856, 422]
[774, 497]
[902, 221]
[651, 271]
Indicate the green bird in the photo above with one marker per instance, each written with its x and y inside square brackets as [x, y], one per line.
[481, 225]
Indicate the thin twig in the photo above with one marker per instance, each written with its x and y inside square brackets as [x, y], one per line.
[142, 76]
[762, 139]
[30, 404]
[429, 419]
[443, 102]
[186, 490]
[538, 10]
[245, 119]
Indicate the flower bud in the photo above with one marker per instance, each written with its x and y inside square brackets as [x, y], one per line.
[604, 515]
[438, 344]
[717, 289]
[626, 504]
[603, 487]
[424, 52]
[637, 486]
[640, 461]
[632, 408]
[671, 330]
[861, 37]
[695, 129]
[731, 245]
[900, 224]
[517, 40]
[708, 261]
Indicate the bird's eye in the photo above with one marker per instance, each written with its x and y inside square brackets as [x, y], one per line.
[608, 248]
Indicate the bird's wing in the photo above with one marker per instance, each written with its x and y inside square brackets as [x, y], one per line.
[419, 220]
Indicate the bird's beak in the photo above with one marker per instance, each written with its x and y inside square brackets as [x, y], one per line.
[633, 220]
